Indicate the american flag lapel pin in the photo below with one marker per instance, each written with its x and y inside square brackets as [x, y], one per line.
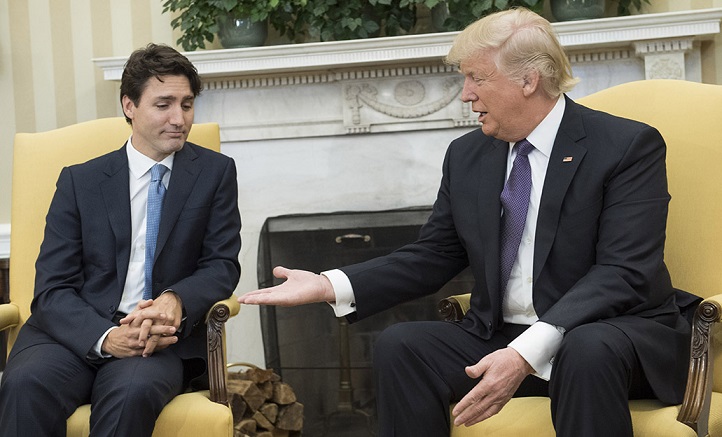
[567, 159]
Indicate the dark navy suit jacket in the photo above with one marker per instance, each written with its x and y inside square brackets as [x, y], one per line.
[599, 246]
[83, 260]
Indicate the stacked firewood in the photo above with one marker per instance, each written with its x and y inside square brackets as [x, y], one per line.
[262, 405]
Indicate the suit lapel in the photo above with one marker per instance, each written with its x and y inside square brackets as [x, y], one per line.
[182, 179]
[493, 172]
[564, 161]
[115, 190]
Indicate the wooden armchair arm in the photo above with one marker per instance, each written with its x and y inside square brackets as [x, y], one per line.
[9, 316]
[698, 395]
[215, 327]
[453, 308]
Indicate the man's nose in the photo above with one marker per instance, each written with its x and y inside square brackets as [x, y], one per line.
[467, 93]
[176, 116]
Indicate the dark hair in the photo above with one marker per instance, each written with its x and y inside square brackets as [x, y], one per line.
[155, 60]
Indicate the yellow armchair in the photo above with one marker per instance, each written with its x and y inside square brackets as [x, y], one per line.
[37, 161]
[688, 116]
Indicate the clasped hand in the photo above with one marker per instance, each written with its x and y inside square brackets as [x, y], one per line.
[150, 327]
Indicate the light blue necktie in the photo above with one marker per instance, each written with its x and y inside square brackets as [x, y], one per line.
[515, 202]
[156, 192]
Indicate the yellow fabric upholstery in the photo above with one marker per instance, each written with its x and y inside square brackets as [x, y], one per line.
[688, 116]
[188, 415]
[532, 418]
[38, 159]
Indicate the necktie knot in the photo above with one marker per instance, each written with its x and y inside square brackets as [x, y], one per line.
[157, 172]
[523, 147]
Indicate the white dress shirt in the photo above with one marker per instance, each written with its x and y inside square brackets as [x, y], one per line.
[139, 167]
[541, 341]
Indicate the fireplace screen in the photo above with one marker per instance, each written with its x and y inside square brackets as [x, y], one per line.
[325, 360]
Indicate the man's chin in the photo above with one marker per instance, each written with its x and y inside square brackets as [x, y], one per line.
[176, 144]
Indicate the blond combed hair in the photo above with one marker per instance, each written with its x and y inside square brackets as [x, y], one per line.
[520, 41]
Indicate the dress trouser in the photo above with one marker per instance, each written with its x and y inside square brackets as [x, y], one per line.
[43, 384]
[419, 368]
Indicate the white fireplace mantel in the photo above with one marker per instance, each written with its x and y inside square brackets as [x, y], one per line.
[584, 35]
[401, 83]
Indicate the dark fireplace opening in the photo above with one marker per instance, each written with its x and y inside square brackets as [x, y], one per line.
[325, 360]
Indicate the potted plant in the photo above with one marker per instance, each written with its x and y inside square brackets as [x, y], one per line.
[200, 20]
[329, 20]
[452, 15]
[566, 10]
[624, 7]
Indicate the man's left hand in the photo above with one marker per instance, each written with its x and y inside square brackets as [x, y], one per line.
[501, 373]
[166, 309]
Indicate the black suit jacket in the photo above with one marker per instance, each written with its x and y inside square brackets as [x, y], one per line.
[83, 260]
[599, 246]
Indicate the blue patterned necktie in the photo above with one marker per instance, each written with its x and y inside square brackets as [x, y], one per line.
[515, 203]
[156, 192]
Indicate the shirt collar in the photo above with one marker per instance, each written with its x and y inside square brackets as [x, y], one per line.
[140, 164]
[542, 137]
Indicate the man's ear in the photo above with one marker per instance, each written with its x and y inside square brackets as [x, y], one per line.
[128, 107]
[530, 83]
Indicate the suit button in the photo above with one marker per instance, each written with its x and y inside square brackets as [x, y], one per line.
[111, 309]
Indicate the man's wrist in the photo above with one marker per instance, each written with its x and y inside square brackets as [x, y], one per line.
[180, 303]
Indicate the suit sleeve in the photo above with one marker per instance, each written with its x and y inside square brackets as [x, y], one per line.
[57, 308]
[217, 270]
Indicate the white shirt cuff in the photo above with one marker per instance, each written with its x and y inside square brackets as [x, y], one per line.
[345, 300]
[97, 349]
[538, 345]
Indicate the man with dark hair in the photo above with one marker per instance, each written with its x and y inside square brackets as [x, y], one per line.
[560, 211]
[139, 244]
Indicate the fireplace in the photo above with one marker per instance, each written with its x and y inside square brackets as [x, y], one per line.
[325, 360]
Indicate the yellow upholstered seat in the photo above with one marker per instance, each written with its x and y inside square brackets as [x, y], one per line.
[688, 116]
[37, 161]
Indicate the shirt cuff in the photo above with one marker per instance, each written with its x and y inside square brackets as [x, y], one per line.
[538, 345]
[98, 348]
[345, 300]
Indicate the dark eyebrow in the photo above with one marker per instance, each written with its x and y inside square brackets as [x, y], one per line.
[173, 98]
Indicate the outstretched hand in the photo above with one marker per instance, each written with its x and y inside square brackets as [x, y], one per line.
[501, 373]
[301, 287]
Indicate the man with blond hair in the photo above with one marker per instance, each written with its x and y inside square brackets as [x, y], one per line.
[560, 211]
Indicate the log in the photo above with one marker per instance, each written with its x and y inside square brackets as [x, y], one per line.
[266, 388]
[283, 394]
[238, 406]
[250, 393]
[290, 417]
[259, 376]
[246, 426]
[270, 411]
[263, 406]
[262, 421]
